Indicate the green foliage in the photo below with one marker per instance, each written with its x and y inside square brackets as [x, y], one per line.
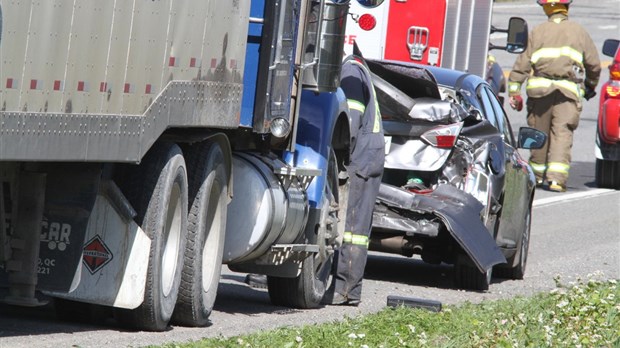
[585, 314]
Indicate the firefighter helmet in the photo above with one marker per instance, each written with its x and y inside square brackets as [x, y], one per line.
[563, 2]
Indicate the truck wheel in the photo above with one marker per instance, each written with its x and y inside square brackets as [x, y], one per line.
[157, 189]
[518, 271]
[607, 174]
[205, 236]
[307, 290]
[467, 276]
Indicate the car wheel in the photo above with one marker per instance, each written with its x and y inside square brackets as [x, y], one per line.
[468, 276]
[607, 174]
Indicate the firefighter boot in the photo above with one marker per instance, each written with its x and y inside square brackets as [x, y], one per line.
[554, 186]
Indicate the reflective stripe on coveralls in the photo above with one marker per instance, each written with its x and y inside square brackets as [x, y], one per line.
[557, 52]
[355, 105]
[541, 82]
[558, 167]
[377, 125]
[539, 169]
[552, 53]
[365, 169]
[356, 239]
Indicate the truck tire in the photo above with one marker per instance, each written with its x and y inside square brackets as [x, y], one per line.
[468, 276]
[205, 234]
[157, 189]
[607, 174]
[307, 290]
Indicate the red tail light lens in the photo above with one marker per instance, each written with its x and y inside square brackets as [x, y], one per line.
[614, 71]
[443, 137]
[367, 22]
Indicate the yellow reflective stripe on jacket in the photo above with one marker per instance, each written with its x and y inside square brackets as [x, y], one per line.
[538, 168]
[541, 82]
[376, 128]
[514, 87]
[558, 167]
[355, 239]
[557, 52]
[355, 105]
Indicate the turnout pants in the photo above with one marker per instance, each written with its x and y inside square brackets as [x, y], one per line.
[351, 256]
[557, 116]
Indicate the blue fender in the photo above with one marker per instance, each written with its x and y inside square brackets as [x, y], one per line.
[317, 119]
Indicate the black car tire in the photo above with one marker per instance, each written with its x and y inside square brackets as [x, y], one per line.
[607, 174]
[468, 276]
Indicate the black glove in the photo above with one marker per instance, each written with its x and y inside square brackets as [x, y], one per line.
[590, 93]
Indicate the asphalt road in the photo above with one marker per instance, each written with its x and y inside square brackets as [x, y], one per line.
[574, 235]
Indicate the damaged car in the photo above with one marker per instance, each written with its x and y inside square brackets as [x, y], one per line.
[455, 189]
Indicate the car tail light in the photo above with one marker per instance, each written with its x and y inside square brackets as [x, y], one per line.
[614, 71]
[613, 89]
[443, 137]
[367, 22]
[610, 121]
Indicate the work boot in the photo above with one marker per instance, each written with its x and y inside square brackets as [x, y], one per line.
[554, 186]
[337, 299]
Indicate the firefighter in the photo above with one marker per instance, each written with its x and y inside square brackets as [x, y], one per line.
[365, 169]
[565, 67]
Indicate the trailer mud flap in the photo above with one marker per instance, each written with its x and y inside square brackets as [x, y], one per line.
[459, 211]
[116, 256]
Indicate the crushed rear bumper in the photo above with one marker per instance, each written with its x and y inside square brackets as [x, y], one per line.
[458, 211]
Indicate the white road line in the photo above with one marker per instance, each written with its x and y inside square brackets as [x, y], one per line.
[571, 197]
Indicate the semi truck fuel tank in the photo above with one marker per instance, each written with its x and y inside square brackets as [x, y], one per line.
[265, 209]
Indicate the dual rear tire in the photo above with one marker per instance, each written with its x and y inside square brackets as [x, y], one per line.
[185, 218]
[205, 239]
[157, 189]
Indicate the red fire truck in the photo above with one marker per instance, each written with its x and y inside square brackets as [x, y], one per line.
[453, 34]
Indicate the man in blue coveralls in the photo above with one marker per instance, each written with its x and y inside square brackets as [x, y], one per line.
[367, 155]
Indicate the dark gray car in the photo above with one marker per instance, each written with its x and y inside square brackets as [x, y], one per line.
[455, 188]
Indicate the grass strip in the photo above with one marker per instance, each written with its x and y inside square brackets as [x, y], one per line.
[580, 314]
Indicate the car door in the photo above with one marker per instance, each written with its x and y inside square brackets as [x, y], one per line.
[515, 196]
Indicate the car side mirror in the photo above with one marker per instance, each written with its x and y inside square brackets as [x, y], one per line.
[530, 138]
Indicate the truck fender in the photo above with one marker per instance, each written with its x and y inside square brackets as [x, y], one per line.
[319, 119]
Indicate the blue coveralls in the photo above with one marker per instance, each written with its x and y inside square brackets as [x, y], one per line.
[365, 171]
